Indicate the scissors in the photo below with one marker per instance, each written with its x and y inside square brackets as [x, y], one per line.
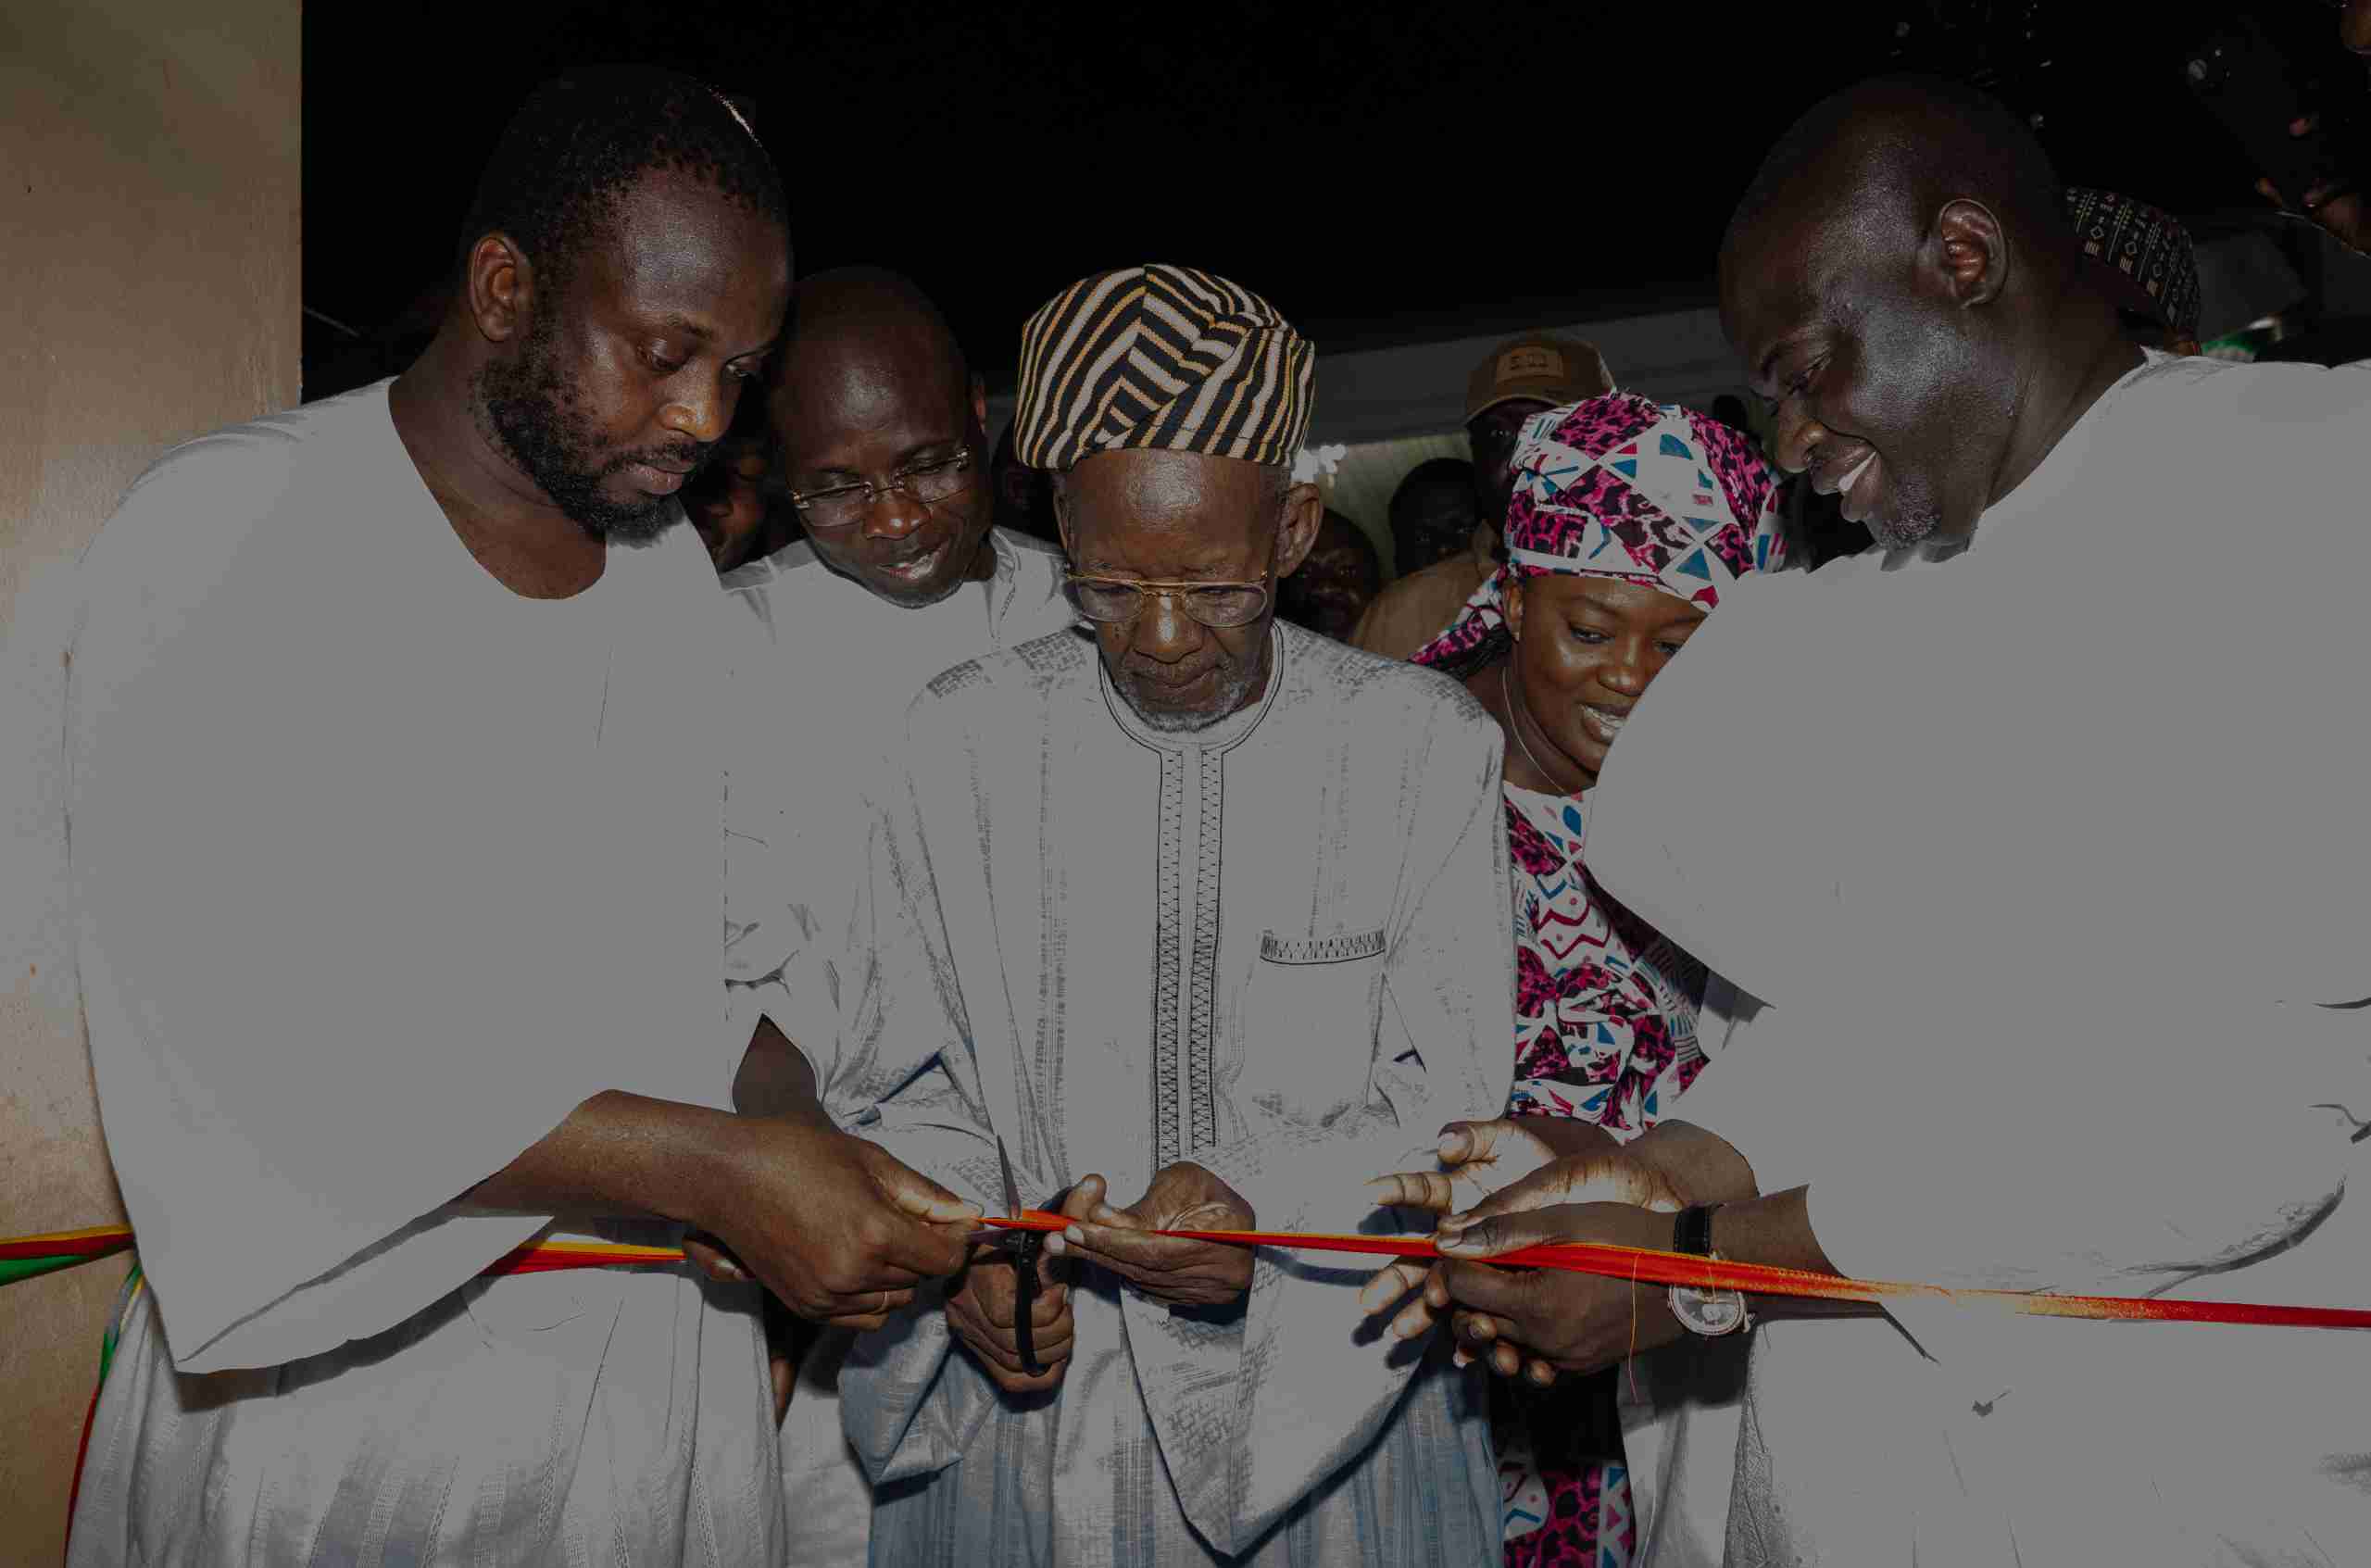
[1022, 1247]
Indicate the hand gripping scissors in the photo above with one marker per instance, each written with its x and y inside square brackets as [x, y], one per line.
[1022, 1247]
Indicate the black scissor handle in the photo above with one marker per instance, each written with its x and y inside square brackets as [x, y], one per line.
[1024, 1301]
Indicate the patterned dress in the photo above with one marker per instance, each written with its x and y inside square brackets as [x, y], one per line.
[1605, 1030]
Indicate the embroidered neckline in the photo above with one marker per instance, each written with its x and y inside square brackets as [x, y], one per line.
[1223, 736]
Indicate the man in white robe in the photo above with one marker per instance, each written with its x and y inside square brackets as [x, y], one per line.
[1199, 906]
[396, 777]
[2052, 878]
[833, 637]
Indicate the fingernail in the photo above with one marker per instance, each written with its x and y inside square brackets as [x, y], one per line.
[1076, 1236]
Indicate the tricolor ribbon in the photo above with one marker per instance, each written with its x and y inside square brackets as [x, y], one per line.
[38, 1254]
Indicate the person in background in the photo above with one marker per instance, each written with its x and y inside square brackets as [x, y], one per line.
[1023, 497]
[2148, 262]
[1432, 522]
[1337, 580]
[2341, 213]
[875, 424]
[1432, 511]
[1519, 379]
[1628, 522]
[727, 501]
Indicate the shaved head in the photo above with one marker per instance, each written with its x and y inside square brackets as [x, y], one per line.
[1903, 145]
[838, 315]
[1903, 288]
[870, 384]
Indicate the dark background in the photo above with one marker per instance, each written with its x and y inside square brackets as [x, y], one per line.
[1383, 177]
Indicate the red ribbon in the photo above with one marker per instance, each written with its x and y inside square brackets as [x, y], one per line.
[1649, 1267]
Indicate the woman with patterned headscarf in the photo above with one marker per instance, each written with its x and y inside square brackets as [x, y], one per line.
[1627, 519]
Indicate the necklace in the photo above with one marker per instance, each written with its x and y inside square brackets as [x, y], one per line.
[1506, 694]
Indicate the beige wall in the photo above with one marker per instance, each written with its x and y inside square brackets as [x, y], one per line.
[148, 293]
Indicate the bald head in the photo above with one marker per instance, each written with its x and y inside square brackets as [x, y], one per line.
[1900, 283]
[854, 329]
[1900, 148]
[869, 387]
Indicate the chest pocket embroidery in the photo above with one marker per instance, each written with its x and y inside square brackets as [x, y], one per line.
[1309, 1022]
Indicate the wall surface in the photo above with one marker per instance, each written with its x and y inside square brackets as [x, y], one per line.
[148, 293]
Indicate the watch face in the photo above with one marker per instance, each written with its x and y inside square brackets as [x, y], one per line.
[1709, 1312]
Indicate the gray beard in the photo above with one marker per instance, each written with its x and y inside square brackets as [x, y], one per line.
[1235, 692]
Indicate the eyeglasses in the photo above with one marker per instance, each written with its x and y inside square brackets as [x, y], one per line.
[845, 506]
[1118, 601]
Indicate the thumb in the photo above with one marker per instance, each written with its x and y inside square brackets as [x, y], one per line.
[1502, 1233]
[712, 1260]
[1081, 1201]
[1463, 1141]
[916, 1194]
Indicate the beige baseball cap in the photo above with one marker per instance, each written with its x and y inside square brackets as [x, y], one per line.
[1555, 371]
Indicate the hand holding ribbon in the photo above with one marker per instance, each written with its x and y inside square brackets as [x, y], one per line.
[1181, 1272]
[837, 1228]
[1510, 1167]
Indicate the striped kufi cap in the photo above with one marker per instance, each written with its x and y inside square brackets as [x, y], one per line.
[1166, 358]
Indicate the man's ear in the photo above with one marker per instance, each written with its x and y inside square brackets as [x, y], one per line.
[501, 284]
[979, 401]
[1304, 514]
[1511, 606]
[1970, 251]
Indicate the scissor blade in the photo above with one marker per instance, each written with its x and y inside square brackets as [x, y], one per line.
[1011, 1187]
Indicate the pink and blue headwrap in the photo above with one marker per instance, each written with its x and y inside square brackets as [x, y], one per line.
[1619, 486]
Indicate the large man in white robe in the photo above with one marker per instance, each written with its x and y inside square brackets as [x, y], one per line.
[875, 425]
[2051, 876]
[397, 770]
[1201, 907]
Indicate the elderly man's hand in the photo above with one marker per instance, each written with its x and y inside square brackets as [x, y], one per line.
[1568, 1322]
[1184, 1274]
[981, 1314]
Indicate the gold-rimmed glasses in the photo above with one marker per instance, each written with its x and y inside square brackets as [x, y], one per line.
[845, 506]
[1118, 601]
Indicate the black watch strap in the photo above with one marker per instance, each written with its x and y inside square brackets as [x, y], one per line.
[1692, 1234]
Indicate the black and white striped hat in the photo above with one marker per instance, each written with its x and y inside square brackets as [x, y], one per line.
[1161, 357]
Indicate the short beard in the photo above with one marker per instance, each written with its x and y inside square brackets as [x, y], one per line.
[1914, 525]
[526, 407]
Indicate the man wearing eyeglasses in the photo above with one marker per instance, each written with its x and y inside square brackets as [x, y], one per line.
[875, 424]
[1202, 917]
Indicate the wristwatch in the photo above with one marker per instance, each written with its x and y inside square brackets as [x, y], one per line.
[1708, 1314]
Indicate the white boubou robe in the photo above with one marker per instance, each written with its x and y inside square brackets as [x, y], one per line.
[2050, 861]
[1277, 948]
[822, 672]
[383, 870]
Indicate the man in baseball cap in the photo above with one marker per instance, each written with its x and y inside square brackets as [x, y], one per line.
[1520, 378]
